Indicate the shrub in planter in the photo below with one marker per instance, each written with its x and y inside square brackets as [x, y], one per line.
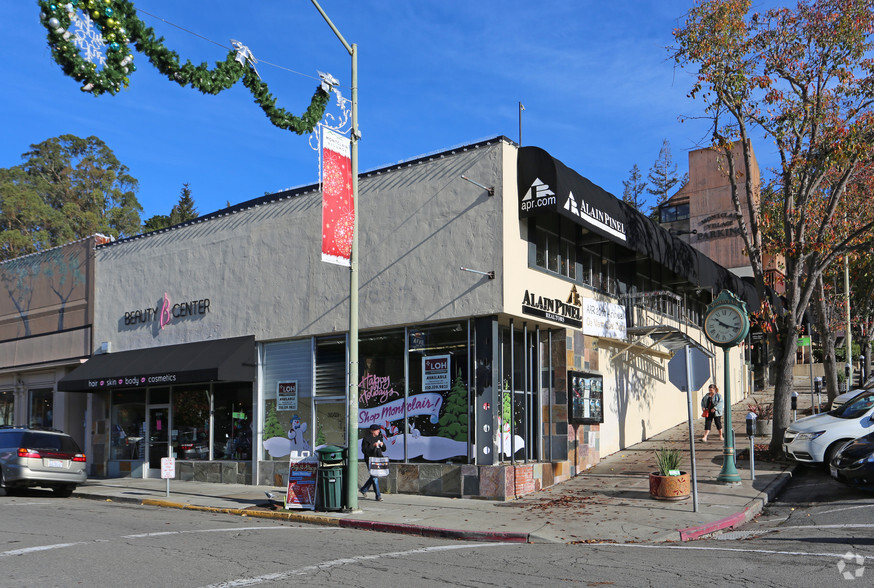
[669, 483]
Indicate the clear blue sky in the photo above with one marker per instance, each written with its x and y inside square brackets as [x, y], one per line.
[599, 90]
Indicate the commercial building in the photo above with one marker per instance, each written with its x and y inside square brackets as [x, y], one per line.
[517, 323]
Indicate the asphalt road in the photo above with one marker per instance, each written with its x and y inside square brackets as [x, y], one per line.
[800, 540]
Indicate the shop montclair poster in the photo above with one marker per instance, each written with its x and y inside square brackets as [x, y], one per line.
[338, 207]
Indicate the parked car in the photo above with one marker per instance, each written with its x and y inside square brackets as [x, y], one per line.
[818, 438]
[192, 445]
[39, 457]
[840, 399]
[854, 463]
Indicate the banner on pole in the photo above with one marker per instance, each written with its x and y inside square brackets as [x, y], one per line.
[338, 206]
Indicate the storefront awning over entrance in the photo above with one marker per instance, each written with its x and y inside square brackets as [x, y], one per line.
[222, 360]
[546, 185]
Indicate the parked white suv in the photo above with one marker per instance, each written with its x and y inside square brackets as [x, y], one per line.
[817, 438]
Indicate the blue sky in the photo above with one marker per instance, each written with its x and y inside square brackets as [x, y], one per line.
[599, 90]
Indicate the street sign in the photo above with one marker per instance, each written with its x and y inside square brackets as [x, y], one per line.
[168, 467]
[804, 341]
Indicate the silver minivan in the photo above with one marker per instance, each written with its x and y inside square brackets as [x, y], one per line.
[38, 457]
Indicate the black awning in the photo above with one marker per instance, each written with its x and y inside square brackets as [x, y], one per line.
[221, 360]
[546, 185]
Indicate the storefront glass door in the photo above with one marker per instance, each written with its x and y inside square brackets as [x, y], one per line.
[159, 438]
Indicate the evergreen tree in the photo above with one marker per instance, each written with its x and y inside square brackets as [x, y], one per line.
[181, 212]
[272, 426]
[453, 422]
[663, 176]
[66, 189]
[633, 188]
[184, 210]
[157, 222]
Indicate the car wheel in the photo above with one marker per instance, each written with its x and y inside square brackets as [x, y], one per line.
[10, 490]
[833, 450]
[63, 491]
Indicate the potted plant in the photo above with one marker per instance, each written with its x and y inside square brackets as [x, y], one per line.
[764, 412]
[669, 483]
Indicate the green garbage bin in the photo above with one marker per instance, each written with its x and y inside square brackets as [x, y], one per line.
[329, 479]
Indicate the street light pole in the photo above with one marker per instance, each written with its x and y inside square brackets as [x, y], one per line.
[352, 419]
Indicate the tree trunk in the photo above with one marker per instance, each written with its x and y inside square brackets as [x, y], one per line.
[784, 360]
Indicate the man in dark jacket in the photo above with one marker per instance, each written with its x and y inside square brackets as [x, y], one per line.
[372, 446]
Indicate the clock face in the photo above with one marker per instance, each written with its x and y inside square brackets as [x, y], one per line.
[724, 324]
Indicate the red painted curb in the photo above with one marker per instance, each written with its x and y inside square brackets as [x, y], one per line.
[437, 532]
[729, 521]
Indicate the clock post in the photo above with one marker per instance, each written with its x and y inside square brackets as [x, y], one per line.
[728, 473]
[726, 324]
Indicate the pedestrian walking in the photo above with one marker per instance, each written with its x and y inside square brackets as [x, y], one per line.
[712, 406]
[372, 446]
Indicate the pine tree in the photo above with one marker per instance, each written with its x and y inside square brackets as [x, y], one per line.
[272, 426]
[453, 422]
[663, 176]
[633, 188]
[184, 210]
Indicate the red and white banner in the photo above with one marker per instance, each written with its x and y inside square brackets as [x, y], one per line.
[338, 207]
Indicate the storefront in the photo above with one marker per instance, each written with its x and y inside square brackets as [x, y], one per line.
[193, 402]
[493, 347]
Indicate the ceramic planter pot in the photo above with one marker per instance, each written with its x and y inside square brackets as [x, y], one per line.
[764, 427]
[669, 487]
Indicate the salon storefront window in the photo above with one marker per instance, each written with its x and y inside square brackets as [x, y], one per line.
[7, 407]
[128, 413]
[232, 421]
[190, 433]
[41, 405]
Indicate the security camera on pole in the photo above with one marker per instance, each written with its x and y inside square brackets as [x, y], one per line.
[726, 324]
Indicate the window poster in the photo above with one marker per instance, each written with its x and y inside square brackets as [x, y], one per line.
[435, 373]
[286, 396]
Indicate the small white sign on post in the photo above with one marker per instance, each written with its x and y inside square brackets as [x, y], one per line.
[168, 467]
[168, 470]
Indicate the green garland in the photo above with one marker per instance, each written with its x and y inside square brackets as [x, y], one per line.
[119, 25]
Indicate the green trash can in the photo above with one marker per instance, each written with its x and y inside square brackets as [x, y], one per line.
[329, 478]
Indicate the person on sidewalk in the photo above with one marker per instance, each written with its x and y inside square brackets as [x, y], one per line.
[712, 406]
[372, 446]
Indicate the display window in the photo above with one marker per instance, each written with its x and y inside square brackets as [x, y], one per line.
[191, 430]
[438, 400]
[128, 414]
[7, 408]
[232, 421]
[585, 398]
[287, 384]
[41, 404]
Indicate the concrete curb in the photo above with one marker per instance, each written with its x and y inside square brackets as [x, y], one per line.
[753, 508]
[435, 532]
[312, 519]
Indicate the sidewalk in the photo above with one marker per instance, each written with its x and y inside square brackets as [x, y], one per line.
[607, 503]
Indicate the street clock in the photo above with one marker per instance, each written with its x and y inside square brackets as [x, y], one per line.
[726, 322]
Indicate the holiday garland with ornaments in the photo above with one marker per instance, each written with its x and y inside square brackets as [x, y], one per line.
[85, 33]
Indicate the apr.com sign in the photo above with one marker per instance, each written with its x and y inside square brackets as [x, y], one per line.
[603, 319]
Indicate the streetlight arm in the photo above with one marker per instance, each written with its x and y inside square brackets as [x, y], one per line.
[333, 28]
